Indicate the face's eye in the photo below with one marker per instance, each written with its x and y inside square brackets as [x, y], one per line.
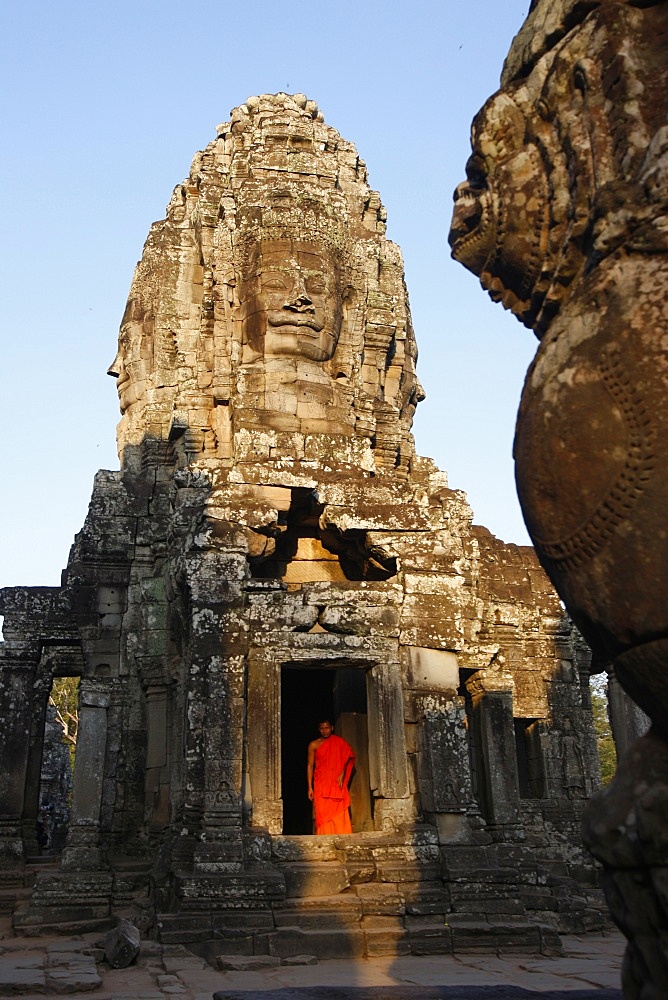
[315, 284]
[476, 173]
[275, 281]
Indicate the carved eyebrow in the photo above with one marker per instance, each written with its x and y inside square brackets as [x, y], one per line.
[274, 275]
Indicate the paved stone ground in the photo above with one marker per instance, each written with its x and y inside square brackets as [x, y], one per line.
[35, 967]
[420, 993]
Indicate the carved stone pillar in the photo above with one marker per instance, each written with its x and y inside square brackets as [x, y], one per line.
[387, 747]
[221, 845]
[264, 742]
[15, 709]
[627, 720]
[82, 850]
[444, 766]
[156, 779]
[156, 784]
[444, 772]
[494, 734]
[218, 648]
[41, 690]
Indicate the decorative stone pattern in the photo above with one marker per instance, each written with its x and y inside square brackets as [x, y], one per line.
[564, 217]
[272, 550]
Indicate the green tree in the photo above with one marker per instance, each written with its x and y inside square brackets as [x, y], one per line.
[65, 699]
[606, 745]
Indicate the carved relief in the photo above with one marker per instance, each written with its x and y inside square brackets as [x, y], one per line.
[574, 151]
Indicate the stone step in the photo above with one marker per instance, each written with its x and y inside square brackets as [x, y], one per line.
[323, 944]
[38, 861]
[304, 849]
[235, 929]
[314, 878]
[9, 898]
[362, 845]
[380, 898]
[395, 871]
[52, 925]
[121, 862]
[430, 938]
[227, 891]
[505, 936]
[315, 912]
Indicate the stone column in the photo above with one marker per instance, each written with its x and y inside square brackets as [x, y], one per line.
[40, 698]
[218, 656]
[264, 742]
[387, 747]
[627, 720]
[82, 850]
[444, 771]
[16, 696]
[157, 778]
[495, 736]
[444, 766]
[221, 846]
[157, 763]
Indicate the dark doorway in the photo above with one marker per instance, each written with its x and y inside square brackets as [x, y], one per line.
[307, 697]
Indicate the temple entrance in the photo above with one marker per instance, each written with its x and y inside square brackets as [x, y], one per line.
[307, 697]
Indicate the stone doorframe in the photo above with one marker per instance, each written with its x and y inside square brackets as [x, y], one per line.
[387, 743]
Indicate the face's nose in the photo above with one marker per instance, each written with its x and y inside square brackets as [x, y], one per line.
[116, 366]
[461, 190]
[299, 301]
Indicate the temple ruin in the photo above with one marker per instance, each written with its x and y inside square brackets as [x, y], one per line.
[273, 550]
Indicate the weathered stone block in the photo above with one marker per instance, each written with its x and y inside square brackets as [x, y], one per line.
[121, 945]
[314, 878]
[332, 943]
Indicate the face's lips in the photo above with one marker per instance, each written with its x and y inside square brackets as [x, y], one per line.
[287, 318]
[466, 217]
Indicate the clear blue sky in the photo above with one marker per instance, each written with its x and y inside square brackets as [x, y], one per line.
[104, 105]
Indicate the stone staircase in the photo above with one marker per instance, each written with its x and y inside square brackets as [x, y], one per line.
[57, 902]
[373, 894]
[368, 894]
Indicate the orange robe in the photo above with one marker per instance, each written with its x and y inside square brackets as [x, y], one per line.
[330, 802]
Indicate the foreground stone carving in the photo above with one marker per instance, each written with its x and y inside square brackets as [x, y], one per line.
[565, 218]
[272, 552]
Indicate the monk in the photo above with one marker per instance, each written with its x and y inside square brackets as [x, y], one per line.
[329, 766]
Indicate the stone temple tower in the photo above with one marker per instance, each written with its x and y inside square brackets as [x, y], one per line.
[272, 552]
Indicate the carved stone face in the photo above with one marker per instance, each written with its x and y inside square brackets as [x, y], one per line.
[473, 229]
[130, 369]
[291, 300]
[500, 220]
